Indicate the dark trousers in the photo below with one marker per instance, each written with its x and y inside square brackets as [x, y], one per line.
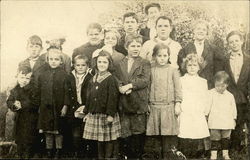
[106, 149]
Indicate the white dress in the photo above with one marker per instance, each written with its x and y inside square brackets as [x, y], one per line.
[193, 124]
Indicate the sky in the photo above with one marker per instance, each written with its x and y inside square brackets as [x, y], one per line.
[22, 19]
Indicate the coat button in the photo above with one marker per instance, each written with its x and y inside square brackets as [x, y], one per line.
[95, 99]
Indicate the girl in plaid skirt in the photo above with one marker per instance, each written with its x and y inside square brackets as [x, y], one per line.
[102, 119]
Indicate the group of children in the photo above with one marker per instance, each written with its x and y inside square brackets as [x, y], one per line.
[111, 101]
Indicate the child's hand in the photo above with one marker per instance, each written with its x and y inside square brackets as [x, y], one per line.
[128, 91]
[177, 109]
[110, 119]
[85, 118]
[18, 105]
[64, 110]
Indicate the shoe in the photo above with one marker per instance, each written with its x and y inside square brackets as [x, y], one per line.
[58, 154]
[49, 153]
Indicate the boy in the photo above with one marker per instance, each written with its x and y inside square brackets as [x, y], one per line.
[222, 114]
[53, 99]
[95, 37]
[153, 11]
[237, 66]
[20, 102]
[133, 75]
[130, 26]
[78, 83]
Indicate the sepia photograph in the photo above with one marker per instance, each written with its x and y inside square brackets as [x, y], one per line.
[120, 79]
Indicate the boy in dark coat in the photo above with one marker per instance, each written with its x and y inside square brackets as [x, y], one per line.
[78, 82]
[20, 102]
[133, 74]
[53, 99]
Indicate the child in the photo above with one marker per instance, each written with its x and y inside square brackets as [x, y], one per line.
[193, 124]
[78, 83]
[95, 37]
[53, 99]
[222, 114]
[130, 26]
[20, 102]
[164, 100]
[133, 74]
[102, 119]
[237, 66]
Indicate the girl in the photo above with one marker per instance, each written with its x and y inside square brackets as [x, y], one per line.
[193, 124]
[164, 100]
[78, 83]
[102, 119]
[111, 40]
[164, 27]
[53, 99]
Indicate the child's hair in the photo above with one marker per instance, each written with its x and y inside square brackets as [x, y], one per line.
[56, 50]
[158, 47]
[104, 53]
[117, 34]
[94, 26]
[132, 37]
[192, 58]
[130, 14]
[35, 40]
[157, 5]
[85, 58]
[165, 18]
[54, 47]
[232, 33]
[222, 76]
[24, 70]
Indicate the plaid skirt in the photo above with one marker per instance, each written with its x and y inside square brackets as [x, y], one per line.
[98, 128]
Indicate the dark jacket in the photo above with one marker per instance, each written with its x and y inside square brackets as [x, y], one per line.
[51, 95]
[86, 49]
[74, 105]
[121, 48]
[213, 60]
[240, 89]
[26, 117]
[102, 97]
[139, 76]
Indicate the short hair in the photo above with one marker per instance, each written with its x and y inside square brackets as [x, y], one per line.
[94, 26]
[158, 47]
[132, 37]
[232, 33]
[104, 53]
[85, 58]
[23, 69]
[195, 23]
[165, 18]
[157, 5]
[191, 58]
[130, 14]
[117, 34]
[35, 40]
[222, 76]
[55, 50]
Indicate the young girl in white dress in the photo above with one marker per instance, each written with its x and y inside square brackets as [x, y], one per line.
[193, 124]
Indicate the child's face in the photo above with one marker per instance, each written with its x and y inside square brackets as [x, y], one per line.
[162, 57]
[102, 63]
[110, 39]
[23, 79]
[130, 25]
[80, 66]
[54, 59]
[95, 36]
[34, 50]
[153, 13]
[220, 86]
[134, 49]
[192, 68]
[235, 43]
[200, 32]
[163, 29]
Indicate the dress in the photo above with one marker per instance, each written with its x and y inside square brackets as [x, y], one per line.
[193, 124]
[165, 91]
